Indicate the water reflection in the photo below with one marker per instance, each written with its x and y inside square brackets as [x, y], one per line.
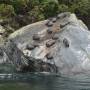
[38, 81]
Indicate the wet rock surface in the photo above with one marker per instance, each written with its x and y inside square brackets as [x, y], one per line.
[58, 45]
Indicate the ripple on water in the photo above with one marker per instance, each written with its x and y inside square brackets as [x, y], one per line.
[43, 81]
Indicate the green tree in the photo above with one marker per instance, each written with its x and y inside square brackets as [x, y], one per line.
[63, 8]
[19, 5]
[33, 3]
[50, 9]
[35, 14]
[83, 7]
[6, 10]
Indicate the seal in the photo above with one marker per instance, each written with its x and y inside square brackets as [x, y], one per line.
[65, 42]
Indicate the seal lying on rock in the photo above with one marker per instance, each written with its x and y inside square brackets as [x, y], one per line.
[30, 47]
[50, 43]
[65, 42]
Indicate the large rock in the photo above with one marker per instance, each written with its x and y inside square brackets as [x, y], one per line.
[70, 53]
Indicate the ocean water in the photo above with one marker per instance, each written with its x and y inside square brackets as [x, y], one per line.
[43, 81]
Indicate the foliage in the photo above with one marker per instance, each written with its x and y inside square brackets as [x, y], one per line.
[35, 14]
[83, 7]
[36, 10]
[20, 6]
[63, 8]
[6, 10]
[50, 8]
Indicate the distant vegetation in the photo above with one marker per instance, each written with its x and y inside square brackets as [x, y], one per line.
[18, 13]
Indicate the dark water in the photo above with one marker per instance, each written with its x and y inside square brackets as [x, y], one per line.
[43, 82]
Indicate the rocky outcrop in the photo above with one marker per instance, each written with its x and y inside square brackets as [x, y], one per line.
[11, 56]
[59, 45]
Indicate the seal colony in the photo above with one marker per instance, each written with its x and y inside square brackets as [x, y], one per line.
[43, 44]
[57, 45]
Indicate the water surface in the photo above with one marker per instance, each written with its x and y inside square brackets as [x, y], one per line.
[35, 81]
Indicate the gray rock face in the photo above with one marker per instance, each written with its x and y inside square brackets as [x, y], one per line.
[66, 50]
[11, 57]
